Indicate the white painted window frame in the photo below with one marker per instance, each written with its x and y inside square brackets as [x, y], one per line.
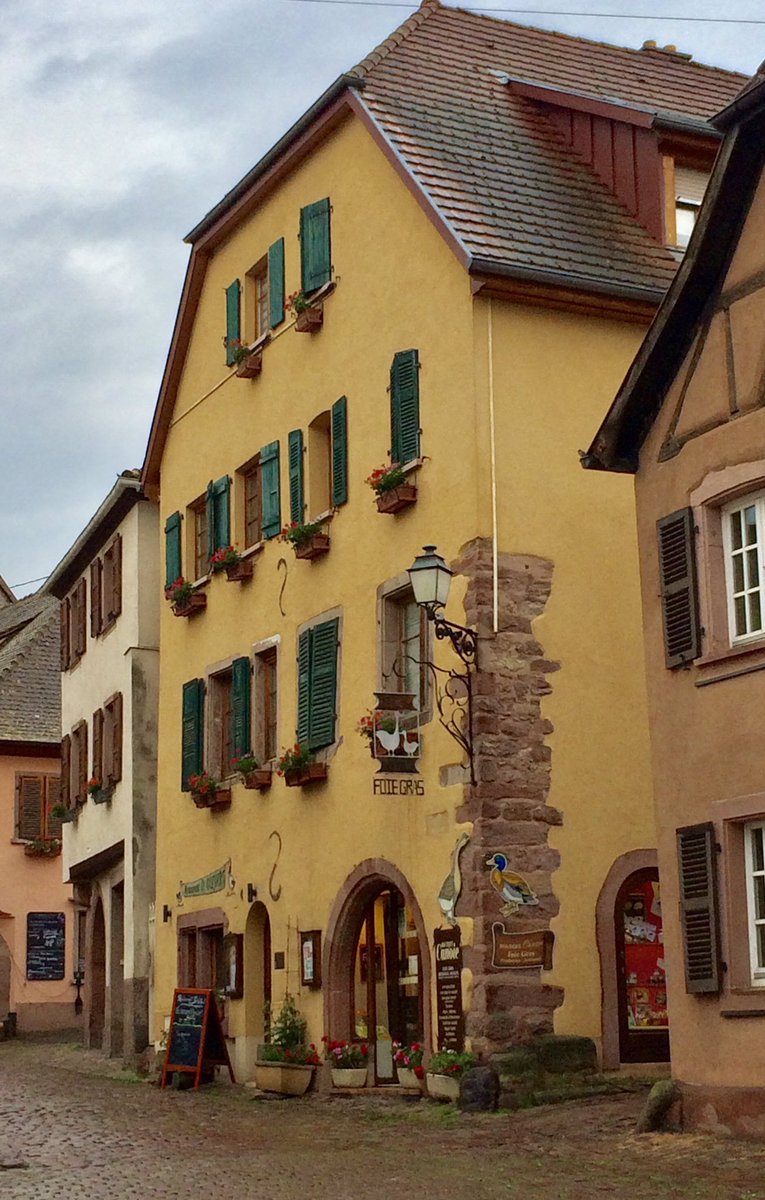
[753, 922]
[758, 500]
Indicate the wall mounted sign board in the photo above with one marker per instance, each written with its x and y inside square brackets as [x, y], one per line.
[310, 958]
[217, 881]
[233, 965]
[46, 940]
[384, 786]
[516, 951]
[195, 1039]
[451, 1019]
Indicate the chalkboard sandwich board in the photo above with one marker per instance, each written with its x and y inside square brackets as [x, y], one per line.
[195, 1039]
[46, 940]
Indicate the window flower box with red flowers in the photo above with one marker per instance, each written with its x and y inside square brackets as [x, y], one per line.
[253, 775]
[185, 601]
[299, 768]
[229, 559]
[207, 792]
[309, 316]
[306, 539]
[392, 492]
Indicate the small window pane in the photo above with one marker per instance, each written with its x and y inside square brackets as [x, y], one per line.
[759, 898]
[755, 616]
[735, 530]
[752, 569]
[750, 522]
[738, 573]
[758, 856]
[761, 946]
[740, 605]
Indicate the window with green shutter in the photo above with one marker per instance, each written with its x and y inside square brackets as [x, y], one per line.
[269, 478]
[241, 734]
[340, 452]
[315, 247]
[276, 282]
[317, 684]
[405, 406]
[192, 733]
[173, 568]
[297, 500]
[218, 515]
[233, 319]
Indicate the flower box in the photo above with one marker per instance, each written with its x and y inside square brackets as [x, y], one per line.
[290, 1079]
[397, 498]
[49, 849]
[312, 773]
[310, 320]
[103, 795]
[312, 547]
[349, 1077]
[260, 779]
[251, 366]
[443, 1087]
[221, 798]
[239, 572]
[407, 1078]
[195, 604]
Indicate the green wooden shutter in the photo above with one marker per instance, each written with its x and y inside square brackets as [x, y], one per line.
[192, 736]
[221, 513]
[297, 506]
[679, 590]
[269, 479]
[304, 686]
[699, 910]
[405, 406]
[340, 451]
[173, 568]
[241, 738]
[315, 249]
[323, 689]
[233, 324]
[276, 283]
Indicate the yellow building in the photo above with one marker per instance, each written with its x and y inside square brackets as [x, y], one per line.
[477, 277]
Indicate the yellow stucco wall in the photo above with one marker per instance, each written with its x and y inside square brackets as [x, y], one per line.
[399, 286]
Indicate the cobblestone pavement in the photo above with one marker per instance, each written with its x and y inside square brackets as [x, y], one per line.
[77, 1133]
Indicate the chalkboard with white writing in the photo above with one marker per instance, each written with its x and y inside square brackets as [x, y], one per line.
[46, 942]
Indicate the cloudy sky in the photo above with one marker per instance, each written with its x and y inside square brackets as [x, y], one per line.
[122, 124]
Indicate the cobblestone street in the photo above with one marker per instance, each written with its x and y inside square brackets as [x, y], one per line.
[78, 1134]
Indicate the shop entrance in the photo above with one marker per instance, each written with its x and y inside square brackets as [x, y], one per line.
[642, 987]
[387, 980]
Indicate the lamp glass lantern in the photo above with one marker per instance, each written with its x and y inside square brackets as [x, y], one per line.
[430, 578]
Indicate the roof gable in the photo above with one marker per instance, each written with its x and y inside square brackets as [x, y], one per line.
[30, 680]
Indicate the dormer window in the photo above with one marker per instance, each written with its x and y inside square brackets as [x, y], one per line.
[690, 186]
[686, 212]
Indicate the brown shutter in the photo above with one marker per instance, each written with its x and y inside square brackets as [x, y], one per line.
[52, 824]
[65, 644]
[65, 792]
[697, 860]
[96, 620]
[113, 739]
[80, 741]
[79, 615]
[115, 602]
[679, 591]
[98, 744]
[30, 800]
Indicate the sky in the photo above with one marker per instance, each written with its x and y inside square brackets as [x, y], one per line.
[122, 124]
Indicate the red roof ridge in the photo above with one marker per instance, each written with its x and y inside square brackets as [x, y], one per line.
[398, 36]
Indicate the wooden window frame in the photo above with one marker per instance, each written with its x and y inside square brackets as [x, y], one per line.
[257, 302]
[265, 701]
[50, 788]
[111, 584]
[392, 598]
[757, 501]
[198, 535]
[219, 682]
[249, 503]
[753, 922]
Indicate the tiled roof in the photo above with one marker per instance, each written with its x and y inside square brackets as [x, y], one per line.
[492, 162]
[30, 680]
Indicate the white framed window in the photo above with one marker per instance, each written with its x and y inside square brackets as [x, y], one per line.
[686, 215]
[743, 529]
[755, 898]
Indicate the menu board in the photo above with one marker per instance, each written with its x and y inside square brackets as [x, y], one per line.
[451, 1020]
[196, 1037]
[46, 941]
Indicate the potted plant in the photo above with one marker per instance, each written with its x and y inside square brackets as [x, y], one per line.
[253, 775]
[408, 1060]
[207, 792]
[391, 490]
[306, 538]
[63, 814]
[445, 1070]
[286, 1061]
[43, 848]
[298, 767]
[184, 599]
[348, 1061]
[229, 559]
[248, 362]
[309, 317]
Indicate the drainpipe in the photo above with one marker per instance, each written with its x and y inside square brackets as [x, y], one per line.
[493, 461]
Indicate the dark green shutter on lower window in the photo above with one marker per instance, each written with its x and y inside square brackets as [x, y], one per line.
[323, 691]
[233, 323]
[173, 569]
[304, 686]
[405, 406]
[315, 247]
[241, 739]
[276, 283]
[297, 505]
[221, 523]
[340, 451]
[192, 737]
[269, 479]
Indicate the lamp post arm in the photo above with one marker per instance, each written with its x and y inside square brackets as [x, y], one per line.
[464, 640]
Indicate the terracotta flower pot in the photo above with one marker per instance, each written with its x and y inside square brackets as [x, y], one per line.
[314, 772]
[397, 498]
[251, 366]
[221, 798]
[312, 547]
[240, 571]
[310, 320]
[260, 779]
[349, 1077]
[201, 799]
[195, 604]
[294, 778]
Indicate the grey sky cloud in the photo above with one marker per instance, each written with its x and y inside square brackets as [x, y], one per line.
[123, 124]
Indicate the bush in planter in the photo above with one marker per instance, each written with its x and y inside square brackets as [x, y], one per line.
[287, 1038]
[452, 1063]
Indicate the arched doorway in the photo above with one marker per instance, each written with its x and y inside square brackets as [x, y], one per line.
[5, 978]
[257, 969]
[641, 979]
[97, 978]
[378, 965]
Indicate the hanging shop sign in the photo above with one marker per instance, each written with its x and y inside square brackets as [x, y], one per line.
[516, 951]
[451, 1019]
[45, 945]
[195, 1039]
[217, 881]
